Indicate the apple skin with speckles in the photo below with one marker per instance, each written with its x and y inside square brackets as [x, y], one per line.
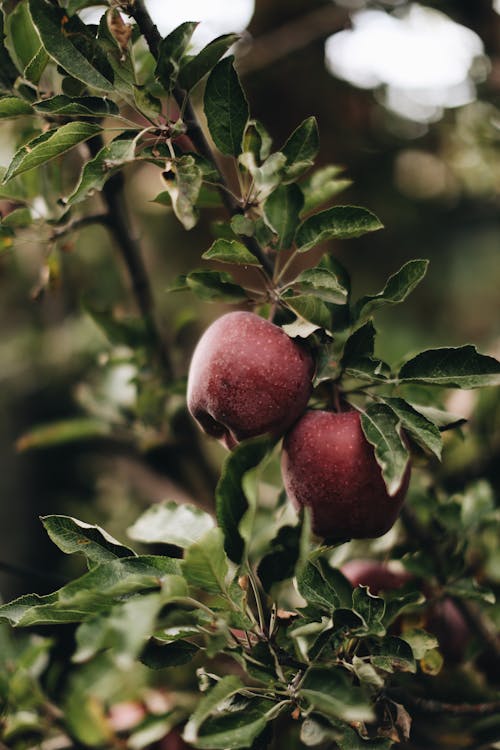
[247, 378]
[329, 467]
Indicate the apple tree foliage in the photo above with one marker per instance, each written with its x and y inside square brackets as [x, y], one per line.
[247, 605]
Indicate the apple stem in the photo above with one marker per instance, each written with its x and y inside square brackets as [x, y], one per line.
[336, 398]
[272, 311]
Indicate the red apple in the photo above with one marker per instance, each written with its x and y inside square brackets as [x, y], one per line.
[442, 617]
[329, 467]
[247, 378]
[174, 741]
[445, 620]
[378, 576]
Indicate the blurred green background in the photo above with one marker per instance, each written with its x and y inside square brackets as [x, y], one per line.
[418, 136]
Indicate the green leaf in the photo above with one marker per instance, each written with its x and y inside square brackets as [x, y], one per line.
[98, 170]
[445, 420]
[460, 367]
[361, 343]
[224, 719]
[236, 728]
[371, 608]
[171, 523]
[74, 536]
[301, 148]
[8, 72]
[339, 222]
[424, 432]
[25, 46]
[420, 642]
[183, 183]
[159, 655]
[316, 731]
[171, 51]
[395, 603]
[322, 186]
[209, 703]
[243, 226]
[62, 432]
[358, 360]
[208, 197]
[146, 103]
[310, 308]
[230, 251]
[265, 177]
[195, 69]
[393, 654]
[226, 108]
[323, 284]
[381, 428]
[12, 106]
[84, 106]
[205, 563]
[231, 502]
[468, 588]
[18, 218]
[94, 592]
[352, 741]
[123, 630]
[279, 562]
[212, 286]
[49, 22]
[281, 211]
[15, 190]
[315, 588]
[397, 289]
[50, 145]
[330, 691]
[257, 141]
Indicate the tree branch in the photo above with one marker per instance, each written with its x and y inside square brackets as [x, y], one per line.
[117, 221]
[294, 35]
[120, 227]
[431, 706]
[80, 223]
[139, 13]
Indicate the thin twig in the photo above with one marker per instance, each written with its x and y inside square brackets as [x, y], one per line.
[147, 27]
[292, 36]
[120, 226]
[80, 223]
[431, 706]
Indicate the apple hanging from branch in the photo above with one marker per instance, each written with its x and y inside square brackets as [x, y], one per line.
[329, 467]
[247, 378]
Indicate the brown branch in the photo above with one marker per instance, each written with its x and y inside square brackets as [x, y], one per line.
[138, 11]
[473, 616]
[119, 224]
[431, 706]
[80, 223]
[292, 36]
